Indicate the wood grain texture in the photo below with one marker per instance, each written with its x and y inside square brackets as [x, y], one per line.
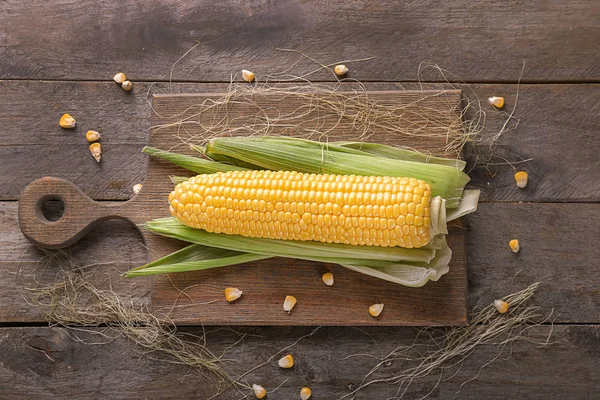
[32, 144]
[477, 41]
[48, 363]
[554, 252]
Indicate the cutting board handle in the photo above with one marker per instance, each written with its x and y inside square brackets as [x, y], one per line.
[79, 216]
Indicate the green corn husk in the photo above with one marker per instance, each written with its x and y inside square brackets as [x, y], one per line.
[446, 181]
[409, 267]
[194, 164]
[194, 257]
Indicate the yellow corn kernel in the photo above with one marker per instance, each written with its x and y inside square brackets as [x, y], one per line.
[305, 393]
[96, 150]
[67, 122]
[497, 102]
[127, 86]
[259, 391]
[289, 303]
[232, 294]
[248, 76]
[376, 309]
[286, 362]
[92, 136]
[501, 306]
[514, 245]
[328, 278]
[521, 178]
[340, 69]
[136, 188]
[119, 78]
[297, 206]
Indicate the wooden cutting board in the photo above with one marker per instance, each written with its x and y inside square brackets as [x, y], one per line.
[197, 297]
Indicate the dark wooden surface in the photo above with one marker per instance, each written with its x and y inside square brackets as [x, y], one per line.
[69, 44]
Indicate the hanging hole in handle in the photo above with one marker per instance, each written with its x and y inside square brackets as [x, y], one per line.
[50, 208]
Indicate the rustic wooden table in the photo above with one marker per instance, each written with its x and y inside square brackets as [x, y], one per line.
[59, 57]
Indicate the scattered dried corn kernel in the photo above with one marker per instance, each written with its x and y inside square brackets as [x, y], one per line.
[376, 309]
[328, 278]
[340, 69]
[92, 136]
[259, 391]
[289, 303]
[67, 122]
[305, 393]
[497, 102]
[127, 86]
[248, 76]
[501, 306]
[96, 150]
[514, 245]
[521, 178]
[120, 78]
[136, 188]
[232, 294]
[286, 362]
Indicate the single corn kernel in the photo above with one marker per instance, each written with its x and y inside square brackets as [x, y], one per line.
[521, 178]
[92, 136]
[232, 294]
[514, 245]
[259, 391]
[376, 309]
[340, 69]
[497, 102]
[286, 362]
[67, 122]
[501, 306]
[305, 393]
[289, 303]
[120, 78]
[96, 151]
[328, 278]
[136, 188]
[127, 86]
[248, 76]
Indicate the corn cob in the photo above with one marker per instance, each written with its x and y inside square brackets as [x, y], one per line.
[348, 209]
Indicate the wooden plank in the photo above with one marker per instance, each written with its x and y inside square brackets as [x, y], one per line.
[473, 40]
[552, 253]
[47, 362]
[32, 144]
[557, 248]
